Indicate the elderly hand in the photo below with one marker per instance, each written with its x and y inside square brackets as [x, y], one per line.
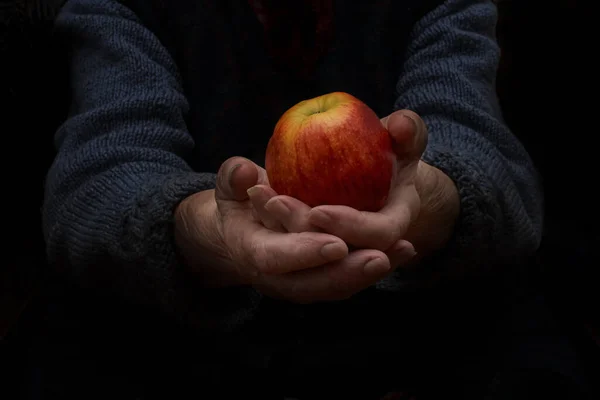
[228, 242]
[418, 216]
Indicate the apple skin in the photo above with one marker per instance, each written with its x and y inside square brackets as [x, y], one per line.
[331, 150]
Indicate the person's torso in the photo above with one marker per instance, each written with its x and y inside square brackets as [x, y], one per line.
[236, 94]
[236, 91]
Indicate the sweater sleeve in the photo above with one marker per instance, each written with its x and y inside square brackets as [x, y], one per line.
[120, 170]
[449, 79]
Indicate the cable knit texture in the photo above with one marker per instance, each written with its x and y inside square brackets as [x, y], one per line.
[128, 154]
[449, 79]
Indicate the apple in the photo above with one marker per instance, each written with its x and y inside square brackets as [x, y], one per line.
[331, 150]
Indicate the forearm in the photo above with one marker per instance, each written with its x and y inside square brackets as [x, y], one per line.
[119, 172]
[448, 80]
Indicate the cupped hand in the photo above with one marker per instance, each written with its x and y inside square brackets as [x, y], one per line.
[382, 231]
[228, 241]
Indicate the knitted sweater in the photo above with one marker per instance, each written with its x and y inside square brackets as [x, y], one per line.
[164, 91]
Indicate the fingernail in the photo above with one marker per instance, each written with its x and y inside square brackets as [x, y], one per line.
[252, 191]
[405, 248]
[376, 267]
[231, 171]
[413, 122]
[334, 251]
[409, 251]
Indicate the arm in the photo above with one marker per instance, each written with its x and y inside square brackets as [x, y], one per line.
[449, 80]
[120, 170]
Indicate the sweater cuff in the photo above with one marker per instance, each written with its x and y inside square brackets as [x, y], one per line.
[148, 225]
[151, 226]
[147, 246]
[470, 250]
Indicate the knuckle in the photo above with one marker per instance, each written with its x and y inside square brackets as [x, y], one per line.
[361, 220]
[393, 229]
[385, 235]
[388, 238]
[396, 233]
[405, 217]
[298, 223]
[306, 248]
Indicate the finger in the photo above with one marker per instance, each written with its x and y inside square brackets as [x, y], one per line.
[409, 134]
[263, 178]
[274, 253]
[235, 176]
[336, 281]
[401, 254]
[259, 195]
[291, 213]
[372, 230]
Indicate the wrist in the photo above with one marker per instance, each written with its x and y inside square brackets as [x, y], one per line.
[198, 237]
[440, 208]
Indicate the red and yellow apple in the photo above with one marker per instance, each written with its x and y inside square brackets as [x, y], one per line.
[331, 150]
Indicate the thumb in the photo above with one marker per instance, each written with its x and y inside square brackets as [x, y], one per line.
[235, 176]
[409, 133]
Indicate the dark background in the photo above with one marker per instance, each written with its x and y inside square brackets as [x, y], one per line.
[546, 83]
